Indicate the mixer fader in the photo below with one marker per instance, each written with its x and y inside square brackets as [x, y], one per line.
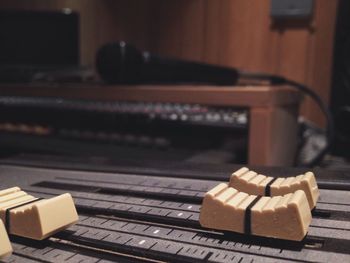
[150, 217]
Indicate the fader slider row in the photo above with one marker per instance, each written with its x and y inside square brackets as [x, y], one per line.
[285, 217]
[253, 183]
[30, 217]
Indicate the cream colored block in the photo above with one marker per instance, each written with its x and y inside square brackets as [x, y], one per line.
[221, 211]
[37, 219]
[216, 190]
[5, 245]
[252, 183]
[284, 217]
[12, 196]
[305, 182]
[14, 201]
[9, 191]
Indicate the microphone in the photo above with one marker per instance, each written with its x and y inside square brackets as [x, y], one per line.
[121, 63]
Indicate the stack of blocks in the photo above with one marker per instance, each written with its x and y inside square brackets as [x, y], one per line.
[260, 205]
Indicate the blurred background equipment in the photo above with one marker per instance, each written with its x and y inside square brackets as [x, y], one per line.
[287, 9]
[168, 122]
[121, 63]
[269, 122]
[210, 32]
[39, 45]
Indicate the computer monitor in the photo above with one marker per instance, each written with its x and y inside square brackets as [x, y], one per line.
[39, 38]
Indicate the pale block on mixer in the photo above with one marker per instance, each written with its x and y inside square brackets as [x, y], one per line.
[250, 182]
[285, 217]
[5, 245]
[36, 219]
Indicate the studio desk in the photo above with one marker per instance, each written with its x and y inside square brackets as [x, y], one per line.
[272, 111]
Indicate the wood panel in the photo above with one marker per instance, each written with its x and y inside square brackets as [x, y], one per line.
[237, 33]
[320, 58]
[273, 135]
[243, 96]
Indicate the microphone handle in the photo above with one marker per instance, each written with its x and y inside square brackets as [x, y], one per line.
[157, 69]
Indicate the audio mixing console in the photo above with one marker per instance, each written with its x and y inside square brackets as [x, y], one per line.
[145, 214]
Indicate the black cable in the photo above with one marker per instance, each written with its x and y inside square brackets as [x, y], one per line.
[343, 136]
[278, 80]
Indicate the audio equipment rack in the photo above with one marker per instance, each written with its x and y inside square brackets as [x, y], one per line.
[272, 111]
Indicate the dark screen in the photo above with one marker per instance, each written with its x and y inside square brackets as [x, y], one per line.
[39, 38]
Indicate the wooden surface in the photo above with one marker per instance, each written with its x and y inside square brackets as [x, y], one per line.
[273, 110]
[210, 95]
[273, 135]
[237, 33]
